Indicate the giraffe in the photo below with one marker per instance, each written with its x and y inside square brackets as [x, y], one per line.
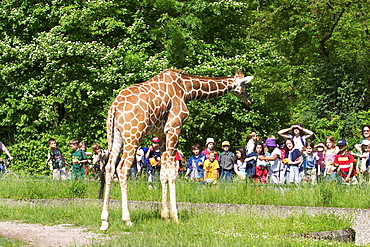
[158, 106]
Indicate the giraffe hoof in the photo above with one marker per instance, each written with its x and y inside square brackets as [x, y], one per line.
[128, 223]
[104, 226]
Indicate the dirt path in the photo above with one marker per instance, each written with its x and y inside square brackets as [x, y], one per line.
[45, 236]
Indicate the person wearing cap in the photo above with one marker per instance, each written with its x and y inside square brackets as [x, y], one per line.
[154, 158]
[210, 146]
[363, 161]
[277, 170]
[345, 163]
[299, 135]
[226, 161]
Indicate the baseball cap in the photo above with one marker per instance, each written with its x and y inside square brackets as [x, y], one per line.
[226, 143]
[155, 139]
[341, 142]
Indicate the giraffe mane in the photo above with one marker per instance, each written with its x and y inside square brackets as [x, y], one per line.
[196, 76]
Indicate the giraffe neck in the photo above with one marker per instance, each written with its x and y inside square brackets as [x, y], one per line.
[200, 88]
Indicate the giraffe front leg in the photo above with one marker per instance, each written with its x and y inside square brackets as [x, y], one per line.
[123, 177]
[173, 207]
[164, 181]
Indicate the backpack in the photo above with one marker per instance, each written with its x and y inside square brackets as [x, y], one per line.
[54, 163]
[146, 160]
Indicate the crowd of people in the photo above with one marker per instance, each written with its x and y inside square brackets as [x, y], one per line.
[296, 160]
[80, 166]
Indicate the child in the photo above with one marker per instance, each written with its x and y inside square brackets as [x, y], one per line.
[210, 145]
[56, 161]
[277, 170]
[99, 159]
[211, 168]
[292, 159]
[329, 155]
[226, 161]
[251, 160]
[79, 159]
[82, 146]
[345, 161]
[251, 142]
[320, 147]
[240, 163]
[194, 163]
[309, 165]
[154, 157]
[297, 135]
[261, 166]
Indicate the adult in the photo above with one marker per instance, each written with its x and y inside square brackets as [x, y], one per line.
[5, 150]
[366, 134]
[298, 134]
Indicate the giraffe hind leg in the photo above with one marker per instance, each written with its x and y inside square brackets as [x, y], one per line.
[109, 171]
[123, 174]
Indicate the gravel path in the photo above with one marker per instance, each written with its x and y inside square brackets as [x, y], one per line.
[45, 236]
[65, 235]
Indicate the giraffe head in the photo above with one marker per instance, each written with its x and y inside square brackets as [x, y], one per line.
[239, 90]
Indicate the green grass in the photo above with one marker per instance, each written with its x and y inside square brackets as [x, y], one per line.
[321, 195]
[205, 228]
[196, 228]
[4, 242]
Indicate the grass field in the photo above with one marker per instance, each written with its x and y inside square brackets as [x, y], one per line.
[196, 228]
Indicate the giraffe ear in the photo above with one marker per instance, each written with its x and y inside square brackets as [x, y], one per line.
[244, 81]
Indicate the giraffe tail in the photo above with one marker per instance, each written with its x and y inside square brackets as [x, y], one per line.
[110, 134]
[102, 182]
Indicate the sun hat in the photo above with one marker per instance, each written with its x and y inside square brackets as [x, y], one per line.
[209, 140]
[155, 139]
[270, 142]
[226, 143]
[341, 142]
[322, 145]
[365, 142]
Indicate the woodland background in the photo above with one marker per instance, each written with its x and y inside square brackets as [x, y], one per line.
[63, 62]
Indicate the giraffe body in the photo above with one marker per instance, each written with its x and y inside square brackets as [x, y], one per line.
[157, 106]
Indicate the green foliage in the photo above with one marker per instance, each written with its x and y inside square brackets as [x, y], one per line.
[63, 62]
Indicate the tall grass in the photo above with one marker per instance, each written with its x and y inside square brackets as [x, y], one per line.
[321, 195]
